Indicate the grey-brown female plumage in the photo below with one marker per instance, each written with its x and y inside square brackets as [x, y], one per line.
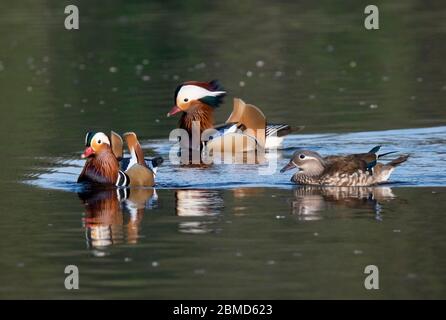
[350, 170]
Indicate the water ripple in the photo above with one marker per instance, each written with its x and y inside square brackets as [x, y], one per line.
[426, 166]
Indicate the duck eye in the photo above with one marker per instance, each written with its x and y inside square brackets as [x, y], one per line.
[99, 141]
[302, 156]
[186, 99]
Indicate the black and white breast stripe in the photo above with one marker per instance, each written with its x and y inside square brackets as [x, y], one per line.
[122, 193]
[123, 179]
[272, 129]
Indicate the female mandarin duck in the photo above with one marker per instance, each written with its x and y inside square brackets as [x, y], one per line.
[103, 158]
[342, 171]
[246, 128]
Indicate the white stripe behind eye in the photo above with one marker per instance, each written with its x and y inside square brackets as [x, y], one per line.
[192, 92]
[309, 157]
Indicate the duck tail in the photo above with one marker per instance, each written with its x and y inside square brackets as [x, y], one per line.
[135, 148]
[154, 163]
[398, 161]
[374, 151]
[382, 172]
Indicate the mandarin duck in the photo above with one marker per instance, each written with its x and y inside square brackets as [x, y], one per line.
[343, 171]
[105, 164]
[246, 129]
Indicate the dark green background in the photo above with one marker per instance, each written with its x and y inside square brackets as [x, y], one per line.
[322, 69]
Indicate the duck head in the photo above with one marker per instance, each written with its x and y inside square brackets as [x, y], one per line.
[308, 162]
[190, 95]
[95, 143]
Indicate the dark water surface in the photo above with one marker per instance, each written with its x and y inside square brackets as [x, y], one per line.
[223, 231]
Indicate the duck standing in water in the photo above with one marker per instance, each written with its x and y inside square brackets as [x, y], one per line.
[246, 128]
[104, 157]
[343, 171]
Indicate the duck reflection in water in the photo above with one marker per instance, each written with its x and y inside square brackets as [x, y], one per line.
[309, 202]
[208, 157]
[201, 205]
[113, 216]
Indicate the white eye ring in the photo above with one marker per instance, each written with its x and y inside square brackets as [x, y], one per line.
[302, 156]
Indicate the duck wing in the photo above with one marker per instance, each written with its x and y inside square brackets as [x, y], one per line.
[152, 163]
[278, 130]
[134, 148]
[371, 157]
[117, 144]
[353, 162]
[344, 164]
[223, 127]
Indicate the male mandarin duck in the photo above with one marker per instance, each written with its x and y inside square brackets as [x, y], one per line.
[104, 156]
[343, 171]
[246, 128]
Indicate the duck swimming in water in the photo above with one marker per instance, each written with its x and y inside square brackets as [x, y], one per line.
[104, 156]
[246, 128]
[343, 171]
